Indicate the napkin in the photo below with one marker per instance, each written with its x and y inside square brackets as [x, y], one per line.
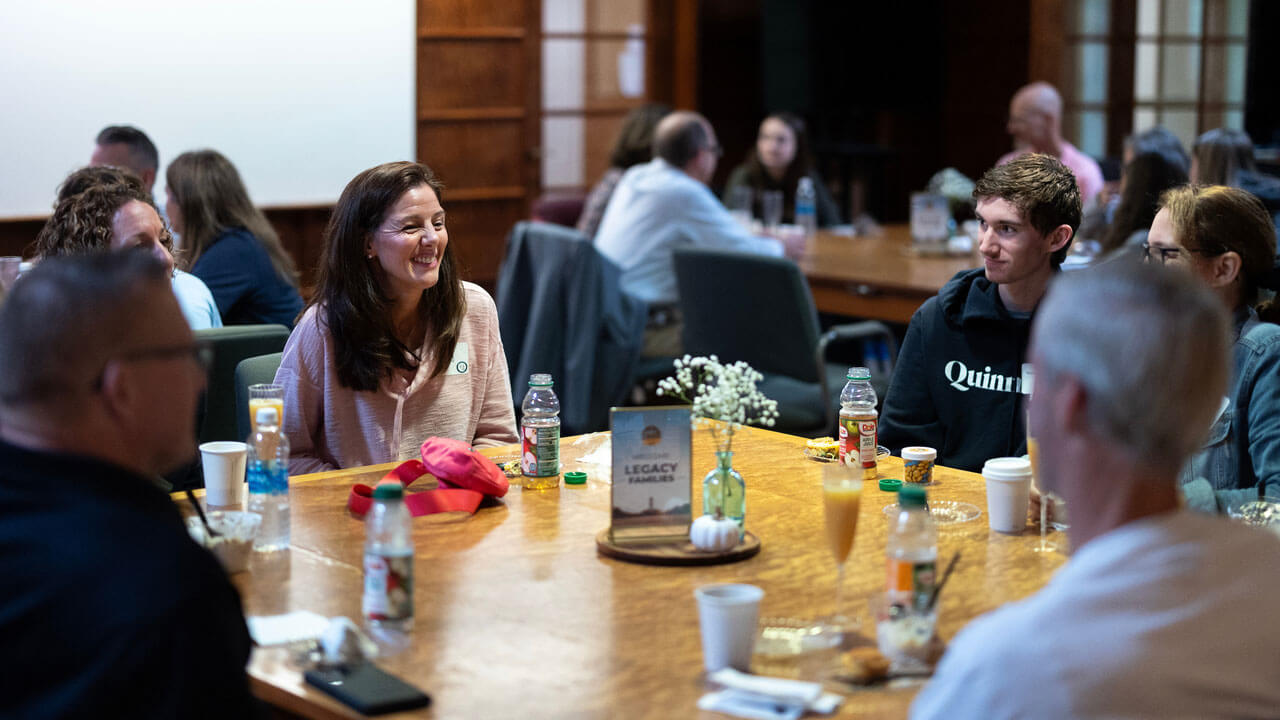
[766, 698]
[283, 629]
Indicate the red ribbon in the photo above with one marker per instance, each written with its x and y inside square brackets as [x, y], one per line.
[446, 498]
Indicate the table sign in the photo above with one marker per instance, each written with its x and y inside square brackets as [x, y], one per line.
[652, 479]
[930, 216]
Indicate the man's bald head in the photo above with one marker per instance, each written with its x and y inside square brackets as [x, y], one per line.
[686, 141]
[1035, 118]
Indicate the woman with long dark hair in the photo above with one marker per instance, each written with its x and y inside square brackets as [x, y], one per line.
[229, 243]
[1145, 179]
[780, 158]
[1224, 237]
[394, 347]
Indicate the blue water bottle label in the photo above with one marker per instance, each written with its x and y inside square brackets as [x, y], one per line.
[269, 477]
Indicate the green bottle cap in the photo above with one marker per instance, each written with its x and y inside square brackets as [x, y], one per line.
[912, 496]
[388, 491]
[890, 484]
[575, 477]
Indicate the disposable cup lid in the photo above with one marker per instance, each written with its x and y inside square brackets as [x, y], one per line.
[1007, 469]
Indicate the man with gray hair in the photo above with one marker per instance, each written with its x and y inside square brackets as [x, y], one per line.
[1160, 612]
[663, 204]
[107, 609]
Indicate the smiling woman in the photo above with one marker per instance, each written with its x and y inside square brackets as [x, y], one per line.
[395, 347]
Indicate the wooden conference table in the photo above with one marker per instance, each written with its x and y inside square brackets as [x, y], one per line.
[880, 277]
[518, 616]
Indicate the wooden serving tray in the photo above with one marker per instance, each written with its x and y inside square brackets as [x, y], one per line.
[675, 553]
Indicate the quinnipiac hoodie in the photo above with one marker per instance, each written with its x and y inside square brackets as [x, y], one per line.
[957, 386]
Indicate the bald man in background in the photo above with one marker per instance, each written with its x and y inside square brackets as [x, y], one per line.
[1035, 122]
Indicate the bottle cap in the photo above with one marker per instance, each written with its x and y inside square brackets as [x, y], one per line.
[540, 380]
[266, 416]
[890, 484]
[388, 491]
[858, 373]
[575, 477]
[911, 496]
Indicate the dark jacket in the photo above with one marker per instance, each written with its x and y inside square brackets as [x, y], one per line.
[828, 213]
[107, 607]
[561, 311]
[244, 283]
[958, 381]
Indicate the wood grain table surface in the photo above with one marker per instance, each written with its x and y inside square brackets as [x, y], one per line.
[876, 277]
[517, 616]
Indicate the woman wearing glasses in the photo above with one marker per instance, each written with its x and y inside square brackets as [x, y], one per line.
[395, 347]
[1225, 237]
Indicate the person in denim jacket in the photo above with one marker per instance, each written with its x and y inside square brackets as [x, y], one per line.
[1226, 238]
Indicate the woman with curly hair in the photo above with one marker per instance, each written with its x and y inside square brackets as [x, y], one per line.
[780, 158]
[106, 208]
[228, 241]
[394, 347]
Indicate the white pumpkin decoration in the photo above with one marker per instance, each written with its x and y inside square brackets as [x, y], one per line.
[713, 533]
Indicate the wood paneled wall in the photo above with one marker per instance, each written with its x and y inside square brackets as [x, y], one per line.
[478, 119]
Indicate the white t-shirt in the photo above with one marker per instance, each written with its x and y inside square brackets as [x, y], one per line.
[1172, 616]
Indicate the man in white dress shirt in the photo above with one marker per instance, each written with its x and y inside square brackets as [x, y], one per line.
[1160, 612]
[663, 204]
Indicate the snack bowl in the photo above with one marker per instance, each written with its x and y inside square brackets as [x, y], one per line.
[237, 530]
[904, 633]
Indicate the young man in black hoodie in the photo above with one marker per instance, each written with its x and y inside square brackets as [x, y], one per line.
[959, 380]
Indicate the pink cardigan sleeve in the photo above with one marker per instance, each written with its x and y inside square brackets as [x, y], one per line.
[301, 373]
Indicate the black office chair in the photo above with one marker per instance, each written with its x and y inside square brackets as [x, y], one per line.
[740, 306]
[253, 371]
[230, 345]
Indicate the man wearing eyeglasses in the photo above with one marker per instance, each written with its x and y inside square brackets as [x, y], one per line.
[663, 204]
[108, 609]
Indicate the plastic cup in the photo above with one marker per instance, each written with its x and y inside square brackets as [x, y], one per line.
[223, 463]
[236, 533]
[727, 615]
[904, 633]
[264, 395]
[1008, 493]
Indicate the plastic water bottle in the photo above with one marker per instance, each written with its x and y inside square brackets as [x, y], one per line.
[806, 206]
[267, 467]
[912, 551]
[540, 434]
[388, 561]
[858, 421]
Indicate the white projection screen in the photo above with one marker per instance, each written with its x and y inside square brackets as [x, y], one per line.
[299, 95]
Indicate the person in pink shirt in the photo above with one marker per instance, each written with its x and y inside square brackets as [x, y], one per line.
[1035, 122]
[394, 347]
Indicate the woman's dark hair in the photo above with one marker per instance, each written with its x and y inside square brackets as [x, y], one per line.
[635, 139]
[1146, 178]
[1217, 219]
[801, 164]
[1160, 139]
[212, 200]
[351, 294]
[1220, 155]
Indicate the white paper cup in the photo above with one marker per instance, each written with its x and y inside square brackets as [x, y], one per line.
[223, 463]
[727, 615]
[1008, 493]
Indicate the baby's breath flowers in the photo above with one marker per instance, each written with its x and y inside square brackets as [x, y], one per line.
[719, 392]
